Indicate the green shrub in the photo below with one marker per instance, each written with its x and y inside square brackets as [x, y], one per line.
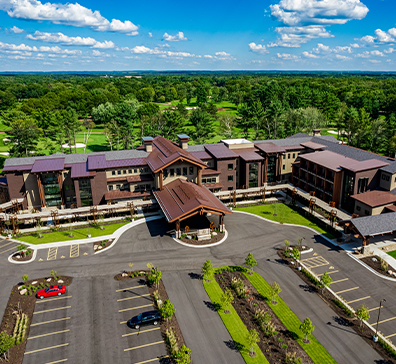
[311, 277]
[387, 348]
[239, 287]
[344, 307]
[25, 277]
[21, 247]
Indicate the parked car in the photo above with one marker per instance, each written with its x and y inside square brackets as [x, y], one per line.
[56, 290]
[145, 318]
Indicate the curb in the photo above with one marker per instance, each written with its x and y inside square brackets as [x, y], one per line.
[28, 261]
[371, 269]
[127, 227]
[307, 251]
[203, 246]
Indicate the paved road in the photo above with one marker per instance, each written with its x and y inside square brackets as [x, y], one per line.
[95, 313]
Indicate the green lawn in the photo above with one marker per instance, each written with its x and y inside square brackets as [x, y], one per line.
[315, 350]
[392, 253]
[284, 214]
[234, 325]
[78, 234]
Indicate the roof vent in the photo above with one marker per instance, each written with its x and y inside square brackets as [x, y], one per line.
[148, 143]
[183, 141]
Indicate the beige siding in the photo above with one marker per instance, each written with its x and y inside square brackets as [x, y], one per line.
[32, 192]
[135, 171]
[372, 210]
[288, 162]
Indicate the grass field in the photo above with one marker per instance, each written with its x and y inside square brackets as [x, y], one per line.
[78, 234]
[392, 253]
[234, 325]
[283, 214]
[314, 349]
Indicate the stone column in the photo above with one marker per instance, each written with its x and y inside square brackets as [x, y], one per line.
[41, 191]
[161, 179]
[60, 187]
[221, 223]
[199, 176]
[265, 169]
[178, 232]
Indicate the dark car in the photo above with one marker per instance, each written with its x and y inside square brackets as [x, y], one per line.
[56, 290]
[145, 318]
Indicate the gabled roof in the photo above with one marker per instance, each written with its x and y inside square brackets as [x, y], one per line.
[365, 165]
[373, 225]
[270, 147]
[313, 146]
[249, 155]
[391, 168]
[375, 198]
[220, 151]
[48, 165]
[79, 170]
[180, 198]
[165, 152]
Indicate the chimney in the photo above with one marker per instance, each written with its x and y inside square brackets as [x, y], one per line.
[183, 141]
[316, 132]
[148, 144]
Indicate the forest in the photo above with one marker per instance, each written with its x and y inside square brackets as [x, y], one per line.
[44, 114]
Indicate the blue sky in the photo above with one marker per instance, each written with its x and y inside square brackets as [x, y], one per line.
[206, 35]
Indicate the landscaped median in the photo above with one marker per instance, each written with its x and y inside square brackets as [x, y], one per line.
[255, 307]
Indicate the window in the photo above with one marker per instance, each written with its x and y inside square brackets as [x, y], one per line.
[387, 178]
[124, 171]
[230, 167]
[213, 180]
[130, 171]
[119, 172]
[284, 156]
[284, 167]
[118, 187]
[191, 171]
[110, 187]
[171, 172]
[148, 187]
[237, 162]
[203, 180]
[366, 212]
[135, 170]
[113, 173]
[68, 199]
[230, 188]
[288, 156]
[67, 187]
[184, 171]
[165, 173]
[178, 171]
[141, 170]
[358, 208]
[294, 155]
[230, 178]
[383, 176]
[362, 184]
[146, 170]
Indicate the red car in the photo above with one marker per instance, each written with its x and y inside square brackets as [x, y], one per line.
[56, 290]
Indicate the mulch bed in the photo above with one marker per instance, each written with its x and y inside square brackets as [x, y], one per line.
[24, 258]
[102, 244]
[270, 346]
[213, 240]
[164, 296]
[376, 265]
[26, 304]
[341, 317]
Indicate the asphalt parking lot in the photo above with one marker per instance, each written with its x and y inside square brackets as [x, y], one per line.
[144, 345]
[354, 289]
[50, 331]
[65, 252]
[7, 247]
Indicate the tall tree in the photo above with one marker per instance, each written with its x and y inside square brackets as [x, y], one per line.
[103, 113]
[203, 123]
[72, 126]
[125, 116]
[24, 135]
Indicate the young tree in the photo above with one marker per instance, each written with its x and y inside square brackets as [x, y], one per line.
[306, 327]
[167, 310]
[6, 343]
[207, 270]
[89, 125]
[250, 262]
[252, 339]
[296, 254]
[275, 290]
[155, 276]
[325, 281]
[183, 355]
[362, 313]
[226, 299]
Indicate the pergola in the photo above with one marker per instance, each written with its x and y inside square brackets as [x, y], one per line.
[180, 200]
[370, 226]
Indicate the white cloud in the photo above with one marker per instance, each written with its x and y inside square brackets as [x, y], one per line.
[287, 56]
[64, 39]
[160, 52]
[390, 50]
[374, 61]
[377, 53]
[339, 56]
[66, 14]
[208, 56]
[174, 38]
[5, 47]
[381, 36]
[133, 33]
[319, 12]
[294, 36]
[97, 53]
[257, 48]
[309, 55]
[222, 54]
[355, 45]
[150, 34]
[367, 54]
[16, 30]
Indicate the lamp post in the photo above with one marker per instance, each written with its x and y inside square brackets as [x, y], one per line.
[375, 337]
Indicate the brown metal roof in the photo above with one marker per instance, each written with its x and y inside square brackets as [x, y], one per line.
[117, 194]
[249, 154]
[179, 198]
[312, 145]
[375, 198]
[166, 152]
[213, 185]
[328, 159]
[391, 208]
[210, 172]
[269, 148]
[220, 151]
[201, 154]
[365, 165]
[48, 165]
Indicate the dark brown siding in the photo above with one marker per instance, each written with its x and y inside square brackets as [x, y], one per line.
[222, 166]
[16, 187]
[98, 187]
[337, 188]
[374, 179]
[77, 190]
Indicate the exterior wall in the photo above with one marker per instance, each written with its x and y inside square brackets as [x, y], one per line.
[374, 179]
[69, 193]
[136, 186]
[77, 189]
[32, 191]
[387, 181]
[190, 177]
[98, 187]
[337, 188]
[222, 166]
[127, 171]
[287, 162]
[364, 210]
[16, 187]
[4, 195]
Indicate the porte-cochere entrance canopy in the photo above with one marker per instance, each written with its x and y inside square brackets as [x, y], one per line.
[181, 199]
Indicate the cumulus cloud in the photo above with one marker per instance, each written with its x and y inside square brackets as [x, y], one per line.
[381, 37]
[341, 57]
[16, 30]
[294, 36]
[160, 52]
[367, 54]
[287, 56]
[208, 56]
[64, 39]
[66, 14]
[97, 53]
[318, 12]
[150, 34]
[390, 50]
[174, 38]
[310, 55]
[6, 47]
[327, 51]
[257, 48]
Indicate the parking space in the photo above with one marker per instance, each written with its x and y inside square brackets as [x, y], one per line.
[7, 247]
[353, 292]
[65, 252]
[144, 345]
[50, 331]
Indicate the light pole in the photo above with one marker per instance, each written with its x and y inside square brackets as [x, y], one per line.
[375, 337]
